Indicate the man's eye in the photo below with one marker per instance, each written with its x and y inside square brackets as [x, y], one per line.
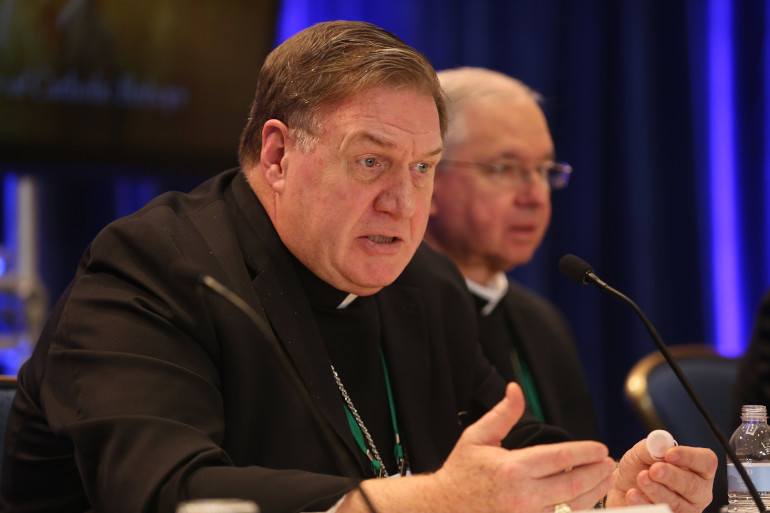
[505, 168]
[367, 169]
[422, 167]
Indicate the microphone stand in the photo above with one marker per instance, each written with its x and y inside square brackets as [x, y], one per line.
[590, 277]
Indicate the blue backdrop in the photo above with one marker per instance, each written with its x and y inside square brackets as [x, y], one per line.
[662, 108]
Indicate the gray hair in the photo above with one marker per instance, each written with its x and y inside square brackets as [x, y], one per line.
[466, 85]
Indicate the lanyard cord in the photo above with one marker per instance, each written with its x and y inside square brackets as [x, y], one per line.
[361, 434]
[398, 449]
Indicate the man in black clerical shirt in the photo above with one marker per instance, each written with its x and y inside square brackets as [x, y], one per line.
[491, 208]
[143, 391]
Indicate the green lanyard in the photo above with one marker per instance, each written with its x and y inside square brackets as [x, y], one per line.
[527, 382]
[361, 434]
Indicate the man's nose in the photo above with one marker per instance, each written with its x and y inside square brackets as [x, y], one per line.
[398, 196]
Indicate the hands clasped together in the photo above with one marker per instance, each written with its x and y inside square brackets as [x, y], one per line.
[479, 475]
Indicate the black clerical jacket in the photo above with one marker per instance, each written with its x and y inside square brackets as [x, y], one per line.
[145, 390]
[543, 338]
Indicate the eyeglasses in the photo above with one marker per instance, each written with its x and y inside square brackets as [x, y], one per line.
[510, 173]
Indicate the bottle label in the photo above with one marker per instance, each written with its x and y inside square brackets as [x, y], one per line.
[758, 472]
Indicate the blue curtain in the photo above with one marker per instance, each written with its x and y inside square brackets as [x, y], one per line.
[663, 110]
[662, 107]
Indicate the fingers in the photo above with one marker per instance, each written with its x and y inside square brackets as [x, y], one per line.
[545, 460]
[588, 500]
[555, 459]
[652, 491]
[697, 459]
[635, 460]
[700, 460]
[684, 481]
[583, 486]
[687, 472]
[688, 475]
[497, 422]
[635, 497]
[526, 479]
[640, 455]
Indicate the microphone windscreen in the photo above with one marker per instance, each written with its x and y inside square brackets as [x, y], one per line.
[574, 268]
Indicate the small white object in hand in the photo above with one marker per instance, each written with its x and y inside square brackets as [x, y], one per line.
[658, 442]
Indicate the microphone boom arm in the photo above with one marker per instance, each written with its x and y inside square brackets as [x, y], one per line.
[723, 442]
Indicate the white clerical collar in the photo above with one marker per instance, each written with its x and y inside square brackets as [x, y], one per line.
[493, 291]
[346, 302]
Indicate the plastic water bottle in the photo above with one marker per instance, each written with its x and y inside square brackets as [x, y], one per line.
[751, 443]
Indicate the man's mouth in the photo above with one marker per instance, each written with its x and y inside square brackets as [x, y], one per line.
[381, 239]
[523, 228]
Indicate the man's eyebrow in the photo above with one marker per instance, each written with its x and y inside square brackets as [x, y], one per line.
[515, 156]
[379, 141]
[368, 136]
[434, 152]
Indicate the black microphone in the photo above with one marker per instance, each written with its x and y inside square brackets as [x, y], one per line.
[579, 271]
[263, 326]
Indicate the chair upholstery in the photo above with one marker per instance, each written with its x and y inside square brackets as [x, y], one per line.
[7, 391]
[661, 401]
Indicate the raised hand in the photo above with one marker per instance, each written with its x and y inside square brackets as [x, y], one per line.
[683, 480]
[481, 476]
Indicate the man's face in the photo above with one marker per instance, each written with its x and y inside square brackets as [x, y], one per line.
[355, 207]
[483, 226]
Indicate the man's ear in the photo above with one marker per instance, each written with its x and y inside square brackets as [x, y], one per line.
[275, 136]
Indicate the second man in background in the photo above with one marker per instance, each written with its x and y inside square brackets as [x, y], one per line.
[490, 210]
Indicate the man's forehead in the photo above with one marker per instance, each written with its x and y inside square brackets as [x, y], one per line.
[500, 134]
[384, 117]
[511, 102]
[520, 114]
[374, 98]
[363, 136]
[385, 141]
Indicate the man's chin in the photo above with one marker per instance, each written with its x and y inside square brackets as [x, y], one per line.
[371, 282]
[516, 257]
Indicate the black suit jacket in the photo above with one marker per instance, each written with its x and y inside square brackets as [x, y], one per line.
[546, 342]
[753, 383]
[143, 391]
